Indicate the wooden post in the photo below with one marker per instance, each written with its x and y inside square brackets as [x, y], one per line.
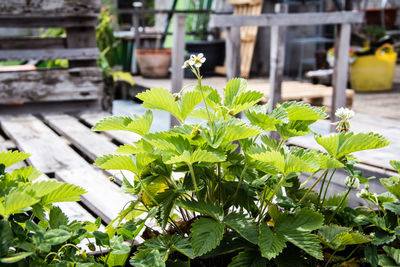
[277, 59]
[81, 37]
[178, 57]
[232, 47]
[340, 72]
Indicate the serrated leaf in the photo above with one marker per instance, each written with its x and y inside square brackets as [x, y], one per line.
[116, 162]
[341, 144]
[64, 193]
[308, 242]
[244, 226]
[188, 102]
[392, 184]
[169, 142]
[6, 237]
[301, 220]
[235, 129]
[206, 156]
[393, 207]
[56, 236]
[139, 125]
[246, 100]
[167, 203]
[203, 208]
[153, 259]
[8, 158]
[17, 201]
[28, 173]
[271, 243]
[393, 253]
[161, 99]
[302, 111]
[206, 234]
[396, 165]
[349, 238]
[57, 218]
[39, 189]
[248, 258]
[334, 200]
[233, 88]
[261, 119]
[124, 76]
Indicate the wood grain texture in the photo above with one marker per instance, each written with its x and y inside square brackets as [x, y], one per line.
[54, 85]
[49, 54]
[232, 47]
[298, 19]
[38, 20]
[32, 43]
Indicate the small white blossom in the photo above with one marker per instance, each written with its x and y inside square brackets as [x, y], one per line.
[352, 182]
[197, 61]
[344, 113]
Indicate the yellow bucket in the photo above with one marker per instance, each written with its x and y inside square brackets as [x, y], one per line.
[374, 72]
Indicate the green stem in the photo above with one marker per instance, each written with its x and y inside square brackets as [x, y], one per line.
[330, 258]
[308, 179]
[276, 189]
[339, 206]
[240, 181]
[326, 188]
[205, 102]
[322, 187]
[262, 207]
[194, 180]
[312, 187]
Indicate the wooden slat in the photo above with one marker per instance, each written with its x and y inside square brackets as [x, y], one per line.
[92, 144]
[51, 85]
[32, 43]
[36, 21]
[49, 54]
[122, 137]
[266, 20]
[46, 7]
[51, 155]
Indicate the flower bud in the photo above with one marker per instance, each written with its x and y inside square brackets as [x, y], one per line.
[352, 182]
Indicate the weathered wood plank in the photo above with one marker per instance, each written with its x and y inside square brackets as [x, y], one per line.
[178, 57]
[277, 60]
[233, 58]
[32, 43]
[266, 20]
[51, 155]
[81, 37]
[48, 54]
[37, 20]
[43, 7]
[51, 85]
[120, 136]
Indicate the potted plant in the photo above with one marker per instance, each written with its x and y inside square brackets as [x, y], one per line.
[224, 193]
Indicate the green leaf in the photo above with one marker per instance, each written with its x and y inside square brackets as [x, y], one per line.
[123, 76]
[341, 144]
[182, 245]
[396, 165]
[244, 226]
[202, 207]
[393, 253]
[393, 207]
[188, 102]
[306, 241]
[8, 158]
[6, 237]
[271, 243]
[167, 203]
[64, 193]
[232, 89]
[248, 258]
[102, 239]
[371, 255]
[236, 129]
[56, 236]
[116, 162]
[28, 173]
[39, 189]
[301, 220]
[160, 99]
[302, 111]
[57, 218]
[386, 261]
[334, 200]
[246, 100]
[152, 259]
[349, 238]
[392, 184]
[139, 125]
[15, 257]
[206, 234]
[17, 201]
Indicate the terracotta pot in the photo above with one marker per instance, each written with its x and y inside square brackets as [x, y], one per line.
[154, 63]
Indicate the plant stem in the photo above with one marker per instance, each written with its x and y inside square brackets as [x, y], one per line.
[205, 102]
[330, 258]
[326, 188]
[309, 178]
[276, 189]
[339, 206]
[196, 189]
[322, 188]
[240, 181]
[312, 187]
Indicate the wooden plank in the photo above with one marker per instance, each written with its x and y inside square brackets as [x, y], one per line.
[51, 85]
[32, 43]
[122, 137]
[81, 37]
[51, 155]
[45, 7]
[49, 54]
[232, 47]
[340, 71]
[53, 106]
[298, 19]
[37, 20]
[277, 59]
[178, 57]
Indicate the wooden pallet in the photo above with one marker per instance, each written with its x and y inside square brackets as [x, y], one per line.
[63, 147]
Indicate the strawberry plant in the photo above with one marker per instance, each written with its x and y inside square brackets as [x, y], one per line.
[223, 192]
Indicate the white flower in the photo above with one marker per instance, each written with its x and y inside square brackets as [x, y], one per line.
[352, 182]
[197, 61]
[344, 113]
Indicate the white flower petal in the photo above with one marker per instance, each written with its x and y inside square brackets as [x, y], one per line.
[202, 60]
[198, 65]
